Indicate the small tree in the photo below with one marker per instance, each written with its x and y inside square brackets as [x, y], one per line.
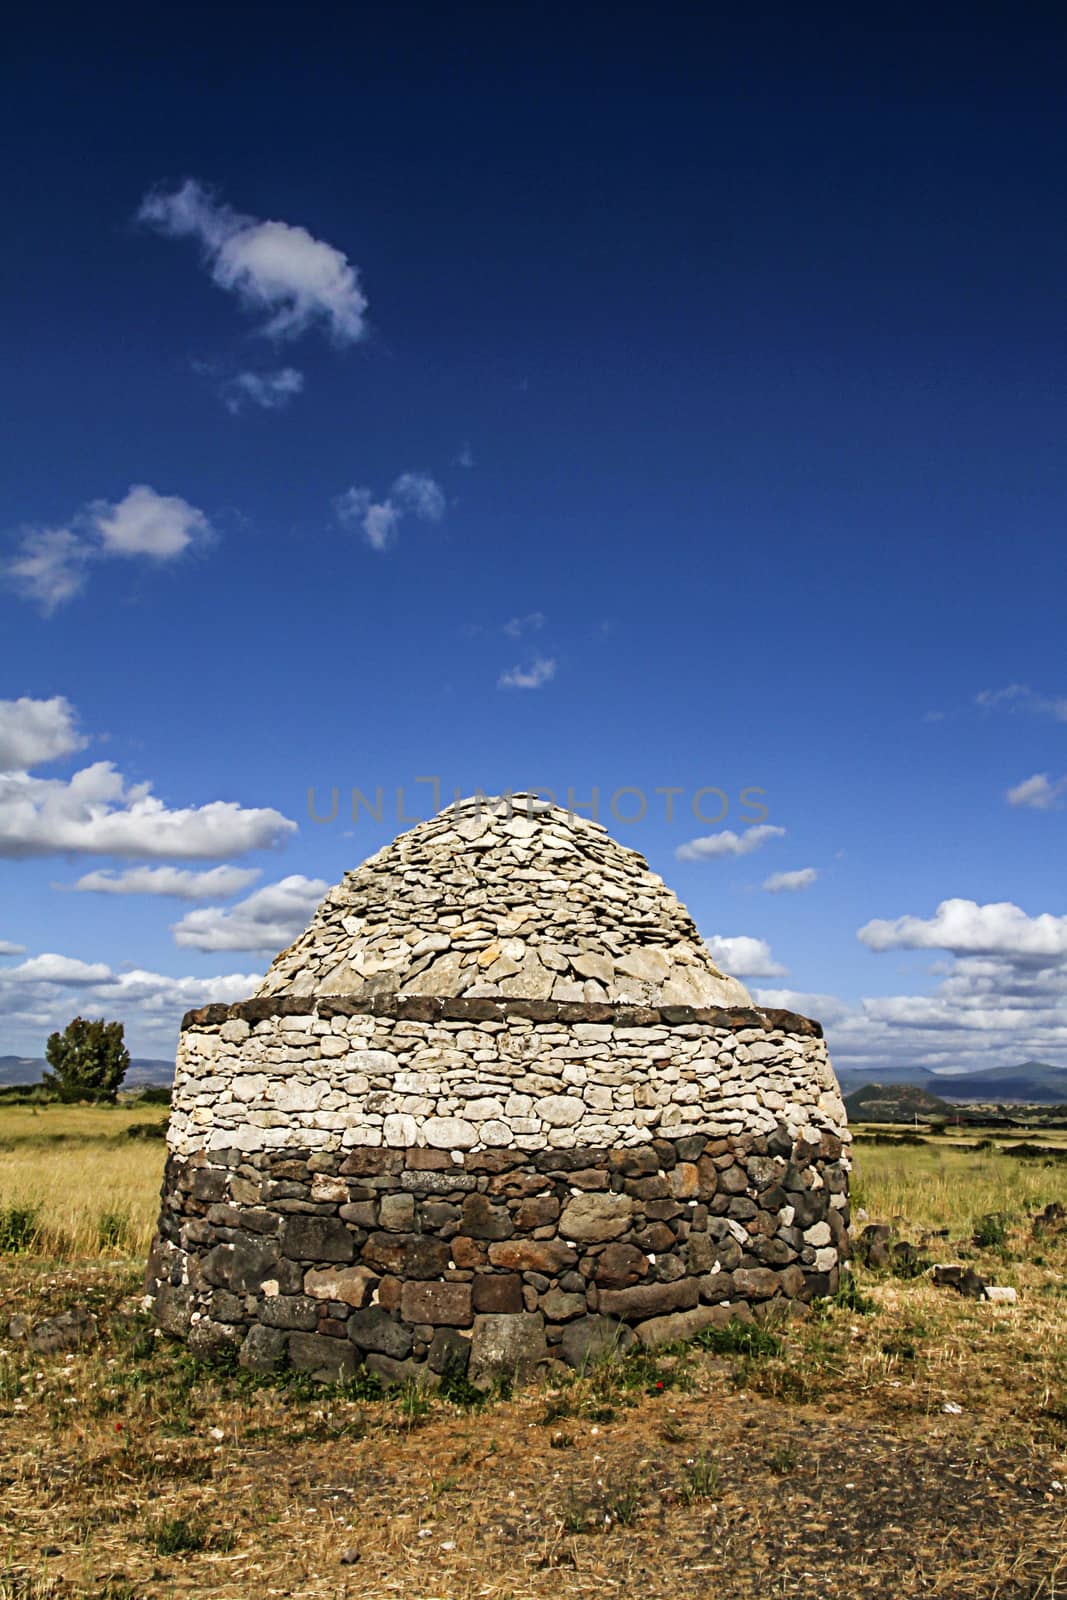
[88, 1060]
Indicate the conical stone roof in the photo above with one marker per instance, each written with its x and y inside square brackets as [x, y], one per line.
[508, 897]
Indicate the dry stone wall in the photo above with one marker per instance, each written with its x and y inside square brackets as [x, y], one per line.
[419, 1183]
[505, 897]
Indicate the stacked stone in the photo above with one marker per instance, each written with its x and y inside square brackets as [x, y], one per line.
[473, 1074]
[365, 1172]
[411, 1263]
[505, 897]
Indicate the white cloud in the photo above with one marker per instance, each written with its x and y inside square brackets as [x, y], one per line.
[1020, 697]
[964, 927]
[50, 968]
[418, 493]
[178, 882]
[43, 993]
[378, 520]
[148, 524]
[34, 731]
[743, 957]
[825, 1008]
[985, 1013]
[413, 492]
[789, 882]
[728, 843]
[465, 457]
[515, 627]
[1040, 793]
[270, 390]
[95, 812]
[9, 949]
[268, 920]
[535, 676]
[270, 266]
[51, 566]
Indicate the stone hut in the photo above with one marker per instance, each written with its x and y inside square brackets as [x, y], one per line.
[497, 1106]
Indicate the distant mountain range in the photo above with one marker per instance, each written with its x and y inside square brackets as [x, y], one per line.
[31, 1069]
[1035, 1082]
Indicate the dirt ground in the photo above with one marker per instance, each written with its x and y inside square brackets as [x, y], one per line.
[916, 1446]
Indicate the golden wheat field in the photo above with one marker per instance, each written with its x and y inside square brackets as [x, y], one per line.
[83, 1183]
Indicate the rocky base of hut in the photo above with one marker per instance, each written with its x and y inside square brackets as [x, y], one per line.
[415, 1262]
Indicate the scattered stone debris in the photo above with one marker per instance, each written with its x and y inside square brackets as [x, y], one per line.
[1052, 1220]
[878, 1249]
[962, 1278]
[65, 1331]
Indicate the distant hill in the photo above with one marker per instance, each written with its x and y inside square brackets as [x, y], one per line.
[1035, 1082]
[894, 1102]
[30, 1070]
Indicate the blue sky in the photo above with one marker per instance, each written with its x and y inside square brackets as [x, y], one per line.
[507, 397]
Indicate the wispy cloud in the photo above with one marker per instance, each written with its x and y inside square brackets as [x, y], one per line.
[418, 493]
[727, 843]
[41, 993]
[268, 920]
[534, 676]
[465, 457]
[790, 882]
[413, 493]
[52, 564]
[1020, 697]
[268, 390]
[270, 266]
[49, 568]
[1039, 793]
[179, 883]
[515, 627]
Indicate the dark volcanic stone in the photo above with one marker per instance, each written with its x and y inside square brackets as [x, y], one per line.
[209, 1184]
[371, 1163]
[538, 1211]
[497, 1292]
[243, 1264]
[449, 1351]
[532, 1255]
[65, 1331]
[637, 1163]
[619, 1265]
[408, 1255]
[374, 1329]
[438, 1304]
[264, 1349]
[589, 1338]
[293, 1311]
[328, 1360]
[649, 1299]
[307, 1238]
[481, 1220]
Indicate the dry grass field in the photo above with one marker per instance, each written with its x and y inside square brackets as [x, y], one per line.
[903, 1442]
